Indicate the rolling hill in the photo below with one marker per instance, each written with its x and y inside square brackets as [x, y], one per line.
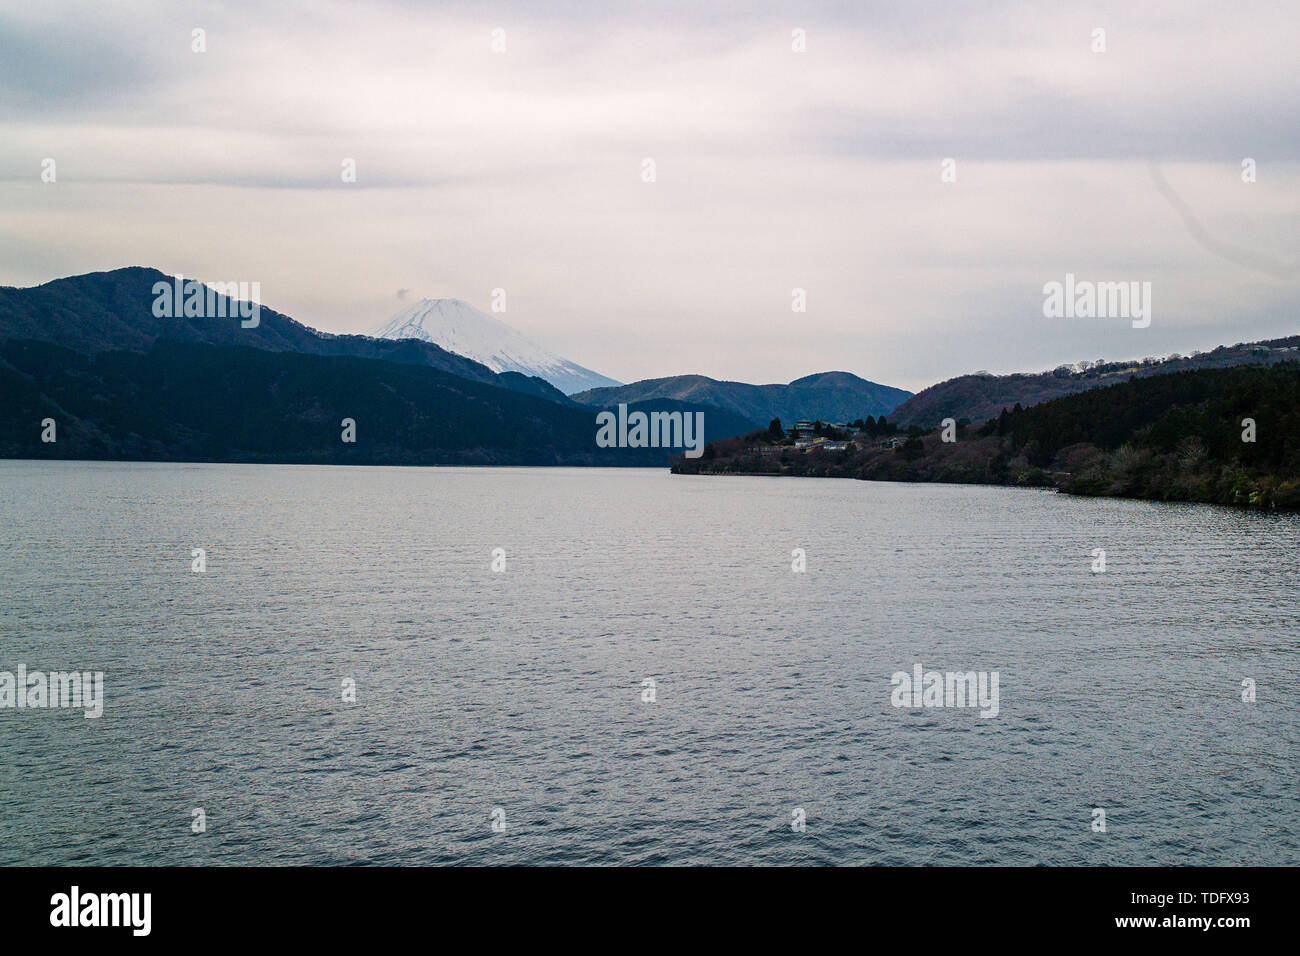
[830, 396]
[982, 396]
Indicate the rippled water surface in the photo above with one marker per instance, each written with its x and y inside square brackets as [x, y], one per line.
[523, 689]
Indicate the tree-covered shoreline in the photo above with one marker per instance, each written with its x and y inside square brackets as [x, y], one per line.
[1221, 436]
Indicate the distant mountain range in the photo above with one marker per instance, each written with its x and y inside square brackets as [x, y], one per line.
[829, 396]
[460, 328]
[122, 383]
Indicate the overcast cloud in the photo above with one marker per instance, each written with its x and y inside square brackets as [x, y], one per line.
[775, 170]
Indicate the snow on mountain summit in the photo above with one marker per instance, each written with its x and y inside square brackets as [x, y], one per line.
[459, 327]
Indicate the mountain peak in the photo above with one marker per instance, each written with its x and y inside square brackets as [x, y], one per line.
[457, 326]
[829, 378]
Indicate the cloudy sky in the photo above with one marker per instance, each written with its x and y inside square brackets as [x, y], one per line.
[774, 170]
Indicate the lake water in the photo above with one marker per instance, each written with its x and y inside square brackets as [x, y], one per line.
[522, 690]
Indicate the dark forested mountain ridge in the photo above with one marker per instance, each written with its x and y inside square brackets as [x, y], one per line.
[187, 401]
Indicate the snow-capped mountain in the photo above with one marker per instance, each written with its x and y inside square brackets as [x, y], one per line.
[459, 327]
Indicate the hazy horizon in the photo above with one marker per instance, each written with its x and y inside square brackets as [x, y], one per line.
[775, 169]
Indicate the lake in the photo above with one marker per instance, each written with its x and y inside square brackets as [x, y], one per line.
[503, 716]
